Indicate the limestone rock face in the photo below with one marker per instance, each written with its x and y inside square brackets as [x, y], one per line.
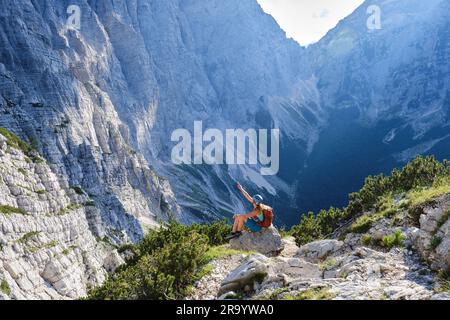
[47, 247]
[267, 242]
[101, 102]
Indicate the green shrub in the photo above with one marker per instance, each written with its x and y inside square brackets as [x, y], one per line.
[421, 172]
[386, 207]
[216, 231]
[51, 244]
[394, 240]
[164, 266]
[284, 232]
[5, 288]
[328, 264]
[443, 280]
[166, 263]
[138, 282]
[307, 230]
[377, 194]
[313, 227]
[66, 251]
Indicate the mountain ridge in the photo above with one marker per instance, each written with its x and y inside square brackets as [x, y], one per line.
[99, 104]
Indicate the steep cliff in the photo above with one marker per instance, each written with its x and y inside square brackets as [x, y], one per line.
[61, 91]
[137, 70]
[48, 245]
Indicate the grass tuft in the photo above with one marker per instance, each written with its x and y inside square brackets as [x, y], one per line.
[6, 209]
[223, 251]
[311, 294]
[28, 236]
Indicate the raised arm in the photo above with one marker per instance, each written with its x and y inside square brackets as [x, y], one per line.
[245, 193]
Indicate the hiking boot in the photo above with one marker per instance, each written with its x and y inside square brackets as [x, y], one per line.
[233, 235]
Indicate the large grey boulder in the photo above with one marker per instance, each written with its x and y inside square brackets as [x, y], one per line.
[319, 250]
[254, 268]
[267, 242]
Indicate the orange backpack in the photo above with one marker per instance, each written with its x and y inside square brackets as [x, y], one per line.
[268, 218]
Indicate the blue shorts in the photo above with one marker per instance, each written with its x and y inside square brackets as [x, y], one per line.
[252, 225]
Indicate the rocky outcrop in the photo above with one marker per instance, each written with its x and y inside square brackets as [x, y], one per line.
[267, 242]
[361, 266]
[432, 238]
[360, 273]
[48, 249]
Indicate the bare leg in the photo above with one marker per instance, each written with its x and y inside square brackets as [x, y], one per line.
[235, 224]
[241, 223]
[238, 223]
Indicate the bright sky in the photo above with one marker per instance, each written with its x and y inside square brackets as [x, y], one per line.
[307, 21]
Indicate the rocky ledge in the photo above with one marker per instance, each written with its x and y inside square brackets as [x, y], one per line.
[393, 260]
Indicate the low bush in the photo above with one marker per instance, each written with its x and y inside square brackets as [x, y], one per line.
[313, 227]
[394, 240]
[421, 180]
[165, 264]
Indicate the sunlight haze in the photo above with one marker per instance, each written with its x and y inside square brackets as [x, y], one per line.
[308, 21]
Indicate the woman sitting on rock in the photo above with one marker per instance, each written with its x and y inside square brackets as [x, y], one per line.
[260, 217]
